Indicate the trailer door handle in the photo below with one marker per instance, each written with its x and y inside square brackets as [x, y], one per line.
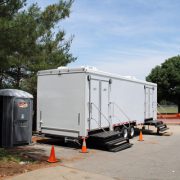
[79, 118]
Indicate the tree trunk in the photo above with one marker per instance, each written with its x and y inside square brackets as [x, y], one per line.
[1, 84]
[179, 107]
[34, 126]
[1, 79]
[18, 78]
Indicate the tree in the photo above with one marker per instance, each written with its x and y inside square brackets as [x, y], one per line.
[8, 9]
[29, 42]
[167, 77]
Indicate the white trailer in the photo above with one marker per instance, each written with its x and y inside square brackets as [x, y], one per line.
[78, 102]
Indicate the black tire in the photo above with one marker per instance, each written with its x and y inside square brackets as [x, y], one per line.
[117, 129]
[158, 131]
[131, 131]
[125, 133]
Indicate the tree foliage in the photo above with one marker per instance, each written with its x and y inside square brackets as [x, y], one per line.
[30, 41]
[167, 77]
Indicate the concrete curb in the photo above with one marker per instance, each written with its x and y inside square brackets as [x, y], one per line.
[59, 173]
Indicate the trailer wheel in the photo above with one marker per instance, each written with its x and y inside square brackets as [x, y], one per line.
[124, 132]
[131, 131]
[158, 132]
[117, 129]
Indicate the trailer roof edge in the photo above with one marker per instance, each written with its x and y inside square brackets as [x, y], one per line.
[92, 71]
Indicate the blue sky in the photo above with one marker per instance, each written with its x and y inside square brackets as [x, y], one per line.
[128, 37]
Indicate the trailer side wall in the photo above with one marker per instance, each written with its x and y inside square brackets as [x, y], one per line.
[60, 104]
[122, 101]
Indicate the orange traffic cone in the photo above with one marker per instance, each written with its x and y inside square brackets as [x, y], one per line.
[140, 136]
[84, 148]
[52, 158]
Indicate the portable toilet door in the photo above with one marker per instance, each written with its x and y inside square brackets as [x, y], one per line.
[15, 117]
[22, 123]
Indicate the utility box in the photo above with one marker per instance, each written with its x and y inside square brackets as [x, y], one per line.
[16, 111]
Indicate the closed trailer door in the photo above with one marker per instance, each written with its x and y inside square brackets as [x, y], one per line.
[94, 104]
[105, 104]
[99, 104]
[149, 109]
[21, 121]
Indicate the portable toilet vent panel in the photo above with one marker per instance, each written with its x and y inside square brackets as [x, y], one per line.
[16, 111]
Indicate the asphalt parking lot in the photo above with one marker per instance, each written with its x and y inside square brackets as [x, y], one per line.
[156, 158]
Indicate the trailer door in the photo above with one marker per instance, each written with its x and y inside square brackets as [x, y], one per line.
[104, 104]
[99, 100]
[95, 104]
[149, 109]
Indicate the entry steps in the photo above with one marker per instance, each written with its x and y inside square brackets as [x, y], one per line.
[161, 127]
[111, 140]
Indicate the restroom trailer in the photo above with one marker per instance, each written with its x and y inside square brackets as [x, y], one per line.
[86, 102]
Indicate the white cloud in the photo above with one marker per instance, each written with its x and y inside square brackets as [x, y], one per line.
[136, 62]
[124, 37]
[139, 67]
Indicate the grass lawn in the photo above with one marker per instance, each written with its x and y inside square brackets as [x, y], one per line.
[15, 161]
[6, 156]
[168, 109]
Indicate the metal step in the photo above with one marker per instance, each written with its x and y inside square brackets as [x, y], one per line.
[115, 141]
[148, 119]
[120, 147]
[153, 122]
[160, 122]
[106, 135]
[150, 122]
[163, 129]
[110, 140]
[161, 126]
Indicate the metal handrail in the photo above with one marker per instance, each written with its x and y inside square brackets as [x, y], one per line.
[102, 114]
[99, 125]
[120, 109]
